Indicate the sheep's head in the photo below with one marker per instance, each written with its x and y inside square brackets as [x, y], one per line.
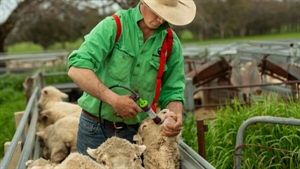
[54, 149]
[50, 93]
[151, 130]
[44, 135]
[167, 117]
[118, 153]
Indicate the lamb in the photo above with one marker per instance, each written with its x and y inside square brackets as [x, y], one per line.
[60, 138]
[39, 164]
[50, 116]
[52, 98]
[114, 153]
[162, 152]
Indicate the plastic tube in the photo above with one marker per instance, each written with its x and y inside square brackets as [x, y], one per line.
[146, 107]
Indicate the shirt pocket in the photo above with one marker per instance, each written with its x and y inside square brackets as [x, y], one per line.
[152, 72]
[120, 65]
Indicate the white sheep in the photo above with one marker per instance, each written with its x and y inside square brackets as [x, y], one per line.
[60, 138]
[52, 98]
[50, 116]
[114, 153]
[39, 164]
[162, 152]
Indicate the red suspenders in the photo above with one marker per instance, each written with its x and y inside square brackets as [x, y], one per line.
[166, 47]
[119, 29]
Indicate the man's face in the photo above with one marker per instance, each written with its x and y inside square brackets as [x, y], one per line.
[151, 19]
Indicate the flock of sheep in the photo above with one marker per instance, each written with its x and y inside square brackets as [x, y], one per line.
[57, 127]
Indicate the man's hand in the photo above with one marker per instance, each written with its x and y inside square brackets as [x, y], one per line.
[125, 107]
[171, 130]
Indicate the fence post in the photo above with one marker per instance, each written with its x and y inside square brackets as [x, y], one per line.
[201, 129]
[189, 95]
[16, 155]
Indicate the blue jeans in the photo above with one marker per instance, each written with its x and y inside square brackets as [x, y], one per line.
[91, 135]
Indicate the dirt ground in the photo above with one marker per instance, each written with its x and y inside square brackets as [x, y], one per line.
[204, 113]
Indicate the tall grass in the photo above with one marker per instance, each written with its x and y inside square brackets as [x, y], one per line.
[12, 99]
[266, 145]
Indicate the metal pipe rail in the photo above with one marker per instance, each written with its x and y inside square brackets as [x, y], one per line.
[192, 160]
[20, 133]
[253, 120]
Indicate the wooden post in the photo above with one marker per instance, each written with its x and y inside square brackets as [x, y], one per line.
[18, 117]
[16, 156]
[201, 129]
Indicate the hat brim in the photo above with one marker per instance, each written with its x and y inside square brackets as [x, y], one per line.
[182, 14]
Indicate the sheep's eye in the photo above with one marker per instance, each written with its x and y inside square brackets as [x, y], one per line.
[134, 159]
[103, 162]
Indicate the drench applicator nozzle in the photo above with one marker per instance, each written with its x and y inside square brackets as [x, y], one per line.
[146, 107]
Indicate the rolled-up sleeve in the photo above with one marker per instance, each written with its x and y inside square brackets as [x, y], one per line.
[96, 46]
[173, 81]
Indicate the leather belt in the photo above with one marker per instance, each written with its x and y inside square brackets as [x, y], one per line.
[113, 125]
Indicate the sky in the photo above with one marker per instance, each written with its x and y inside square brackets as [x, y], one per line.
[6, 6]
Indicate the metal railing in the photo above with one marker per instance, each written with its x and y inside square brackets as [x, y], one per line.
[28, 150]
[254, 120]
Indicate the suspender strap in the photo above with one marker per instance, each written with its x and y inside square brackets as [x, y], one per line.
[167, 46]
[119, 28]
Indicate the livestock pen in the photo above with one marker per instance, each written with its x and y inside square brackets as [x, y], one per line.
[25, 145]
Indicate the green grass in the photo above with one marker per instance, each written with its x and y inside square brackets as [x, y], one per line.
[12, 99]
[284, 36]
[267, 145]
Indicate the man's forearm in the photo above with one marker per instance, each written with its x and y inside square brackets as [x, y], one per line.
[176, 107]
[89, 82]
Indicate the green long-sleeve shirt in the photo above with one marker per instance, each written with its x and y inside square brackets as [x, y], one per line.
[130, 62]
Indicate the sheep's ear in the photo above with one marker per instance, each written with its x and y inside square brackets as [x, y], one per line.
[41, 134]
[43, 117]
[45, 91]
[136, 137]
[64, 95]
[92, 152]
[140, 148]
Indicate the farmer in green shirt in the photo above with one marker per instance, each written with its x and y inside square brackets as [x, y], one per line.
[132, 60]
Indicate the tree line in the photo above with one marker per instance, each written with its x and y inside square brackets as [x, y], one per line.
[46, 22]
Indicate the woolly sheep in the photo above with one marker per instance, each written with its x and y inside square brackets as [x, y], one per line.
[162, 152]
[118, 153]
[74, 160]
[39, 164]
[52, 98]
[114, 153]
[60, 138]
[50, 116]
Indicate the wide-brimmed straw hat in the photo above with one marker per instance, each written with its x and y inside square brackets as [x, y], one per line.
[176, 12]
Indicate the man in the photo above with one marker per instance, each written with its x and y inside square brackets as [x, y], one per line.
[133, 61]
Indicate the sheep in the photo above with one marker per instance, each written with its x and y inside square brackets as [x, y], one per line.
[162, 152]
[52, 98]
[60, 138]
[118, 153]
[50, 116]
[74, 160]
[114, 153]
[39, 164]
